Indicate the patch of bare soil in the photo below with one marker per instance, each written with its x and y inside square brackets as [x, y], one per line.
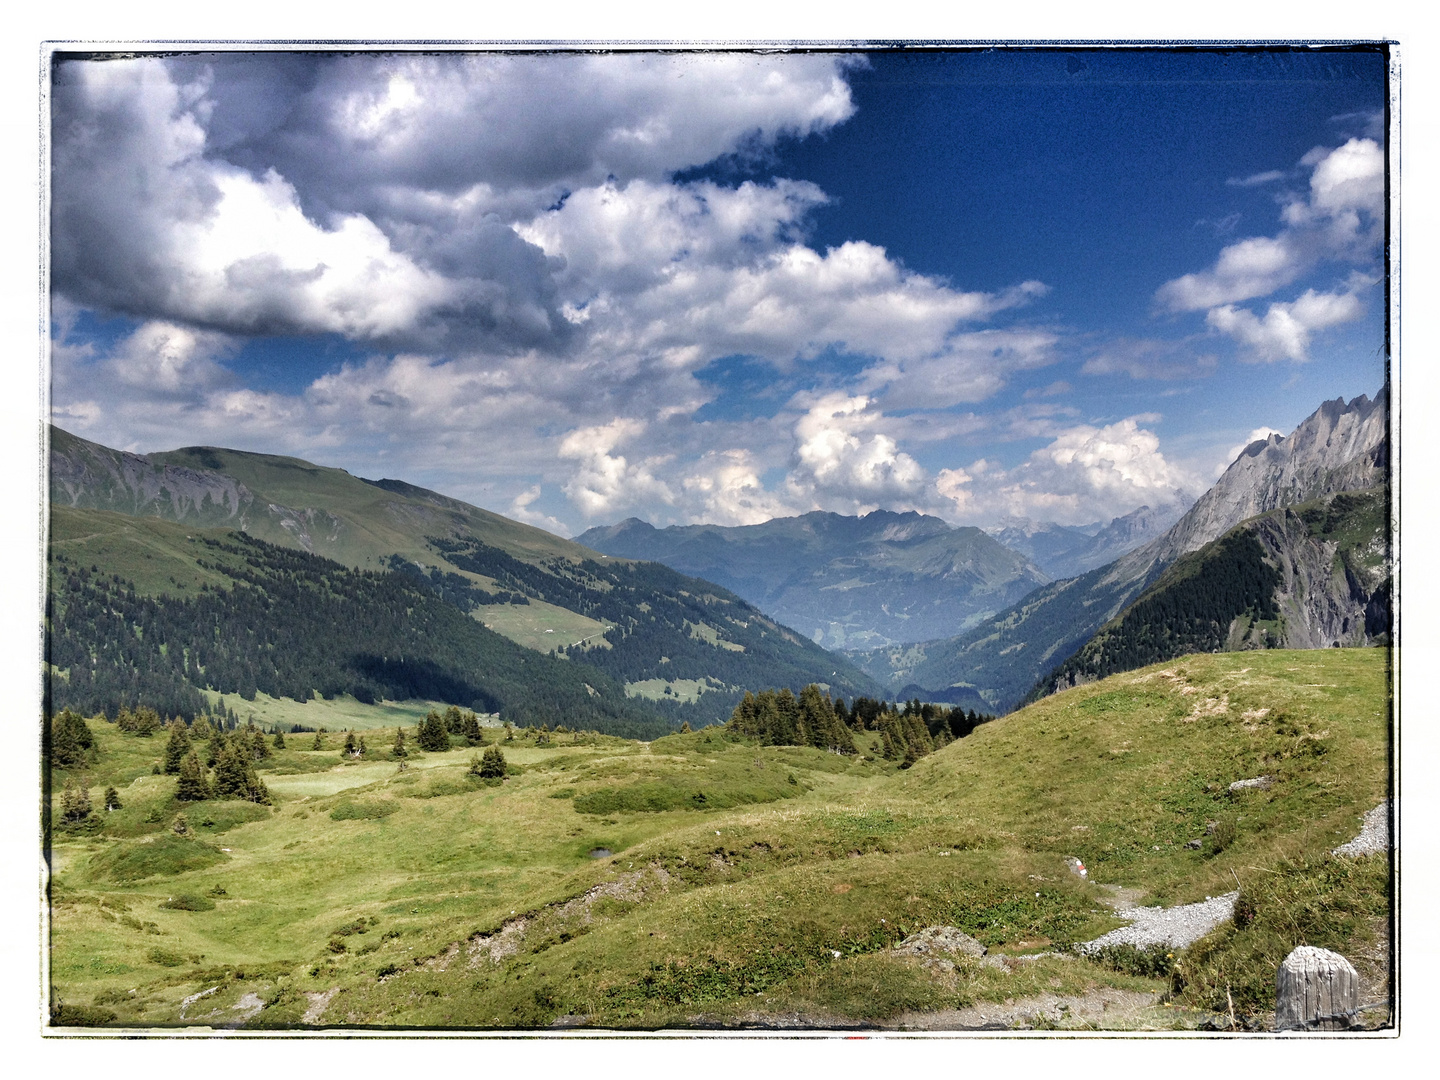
[318, 1004]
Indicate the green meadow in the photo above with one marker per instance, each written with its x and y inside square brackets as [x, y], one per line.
[703, 881]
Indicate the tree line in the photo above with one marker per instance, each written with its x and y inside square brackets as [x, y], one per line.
[908, 733]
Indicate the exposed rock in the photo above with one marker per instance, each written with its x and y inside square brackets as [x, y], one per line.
[1374, 834]
[940, 939]
[1256, 783]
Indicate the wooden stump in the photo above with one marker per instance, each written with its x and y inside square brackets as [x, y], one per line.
[1315, 990]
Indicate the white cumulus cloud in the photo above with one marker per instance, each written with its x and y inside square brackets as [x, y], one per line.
[1085, 474]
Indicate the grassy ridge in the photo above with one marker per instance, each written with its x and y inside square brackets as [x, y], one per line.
[480, 906]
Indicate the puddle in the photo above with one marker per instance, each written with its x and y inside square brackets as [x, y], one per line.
[601, 853]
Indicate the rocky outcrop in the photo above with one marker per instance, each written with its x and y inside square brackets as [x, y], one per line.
[88, 476]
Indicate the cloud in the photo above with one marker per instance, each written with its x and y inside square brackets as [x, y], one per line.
[606, 483]
[376, 196]
[1284, 333]
[1085, 474]
[724, 488]
[1340, 218]
[520, 511]
[969, 367]
[1146, 358]
[695, 272]
[839, 456]
[1267, 177]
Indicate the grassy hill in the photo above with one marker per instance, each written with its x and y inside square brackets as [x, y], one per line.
[369, 895]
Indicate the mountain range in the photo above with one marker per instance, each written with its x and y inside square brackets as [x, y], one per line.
[1064, 551]
[679, 647]
[1339, 448]
[846, 582]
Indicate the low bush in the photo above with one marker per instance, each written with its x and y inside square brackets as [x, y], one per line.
[363, 809]
[186, 902]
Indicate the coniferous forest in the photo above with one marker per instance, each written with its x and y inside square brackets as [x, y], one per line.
[295, 624]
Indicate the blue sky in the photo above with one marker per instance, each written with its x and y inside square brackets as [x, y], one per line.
[981, 284]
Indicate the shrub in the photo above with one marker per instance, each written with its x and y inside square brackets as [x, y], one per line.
[363, 809]
[187, 902]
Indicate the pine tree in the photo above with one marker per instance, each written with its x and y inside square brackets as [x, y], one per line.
[279, 740]
[192, 785]
[235, 776]
[348, 750]
[685, 728]
[398, 751]
[472, 731]
[433, 736]
[492, 764]
[74, 803]
[71, 741]
[112, 799]
[177, 746]
[259, 749]
[319, 743]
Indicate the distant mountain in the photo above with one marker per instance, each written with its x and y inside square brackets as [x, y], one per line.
[658, 633]
[1064, 551]
[1340, 447]
[1311, 576]
[844, 581]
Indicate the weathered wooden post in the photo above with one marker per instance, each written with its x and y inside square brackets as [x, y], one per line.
[1315, 990]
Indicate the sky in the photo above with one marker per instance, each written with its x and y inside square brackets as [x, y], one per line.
[572, 288]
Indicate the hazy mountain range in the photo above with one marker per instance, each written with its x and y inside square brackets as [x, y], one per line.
[846, 582]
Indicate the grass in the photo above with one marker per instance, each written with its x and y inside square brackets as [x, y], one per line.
[681, 690]
[541, 626]
[334, 714]
[479, 906]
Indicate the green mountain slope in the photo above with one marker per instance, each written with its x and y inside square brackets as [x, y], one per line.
[686, 643]
[846, 582]
[1309, 576]
[283, 622]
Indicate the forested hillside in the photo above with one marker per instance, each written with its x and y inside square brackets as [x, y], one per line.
[294, 624]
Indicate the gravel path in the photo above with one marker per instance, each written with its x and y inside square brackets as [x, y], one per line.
[1374, 834]
[1176, 926]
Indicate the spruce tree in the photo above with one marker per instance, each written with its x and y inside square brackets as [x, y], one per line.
[112, 799]
[74, 803]
[433, 736]
[685, 728]
[492, 763]
[472, 731]
[177, 746]
[319, 743]
[398, 751]
[279, 740]
[71, 742]
[192, 785]
[348, 750]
